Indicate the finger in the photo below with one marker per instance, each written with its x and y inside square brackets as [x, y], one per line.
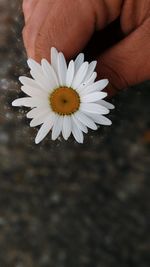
[33, 26]
[67, 27]
[127, 62]
[103, 40]
[28, 7]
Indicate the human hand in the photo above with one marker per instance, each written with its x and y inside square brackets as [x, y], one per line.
[68, 25]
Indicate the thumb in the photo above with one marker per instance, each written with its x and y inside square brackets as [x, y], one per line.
[127, 63]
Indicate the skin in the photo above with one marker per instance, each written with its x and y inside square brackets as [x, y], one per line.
[69, 25]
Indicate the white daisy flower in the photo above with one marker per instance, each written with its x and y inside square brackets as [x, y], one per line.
[64, 99]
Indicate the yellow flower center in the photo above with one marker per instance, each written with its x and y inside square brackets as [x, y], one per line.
[64, 101]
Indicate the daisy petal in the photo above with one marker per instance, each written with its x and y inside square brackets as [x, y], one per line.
[41, 80]
[93, 97]
[70, 73]
[49, 73]
[91, 79]
[39, 120]
[36, 122]
[31, 102]
[105, 104]
[57, 127]
[100, 119]
[77, 133]
[82, 87]
[66, 129]
[93, 108]
[97, 86]
[33, 65]
[78, 61]
[62, 69]
[79, 124]
[31, 114]
[79, 77]
[29, 82]
[90, 70]
[85, 120]
[45, 128]
[54, 56]
[25, 101]
[32, 91]
[34, 113]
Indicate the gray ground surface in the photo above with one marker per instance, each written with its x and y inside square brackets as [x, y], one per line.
[64, 204]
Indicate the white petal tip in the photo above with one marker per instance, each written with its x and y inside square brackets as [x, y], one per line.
[108, 123]
[95, 62]
[37, 141]
[106, 82]
[105, 94]
[53, 49]
[112, 106]
[31, 125]
[81, 142]
[29, 60]
[20, 79]
[107, 112]
[43, 60]
[66, 138]
[54, 138]
[14, 103]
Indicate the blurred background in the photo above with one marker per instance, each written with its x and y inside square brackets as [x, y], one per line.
[68, 205]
